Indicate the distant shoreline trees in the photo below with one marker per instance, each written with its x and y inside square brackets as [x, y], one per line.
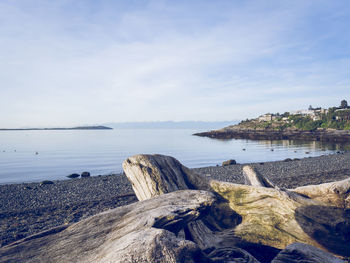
[334, 118]
[343, 104]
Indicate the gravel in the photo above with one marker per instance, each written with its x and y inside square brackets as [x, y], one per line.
[288, 173]
[30, 208]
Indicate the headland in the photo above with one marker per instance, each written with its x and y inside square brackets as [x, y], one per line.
[314, 124]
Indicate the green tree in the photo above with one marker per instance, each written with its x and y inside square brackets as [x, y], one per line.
[343, 104]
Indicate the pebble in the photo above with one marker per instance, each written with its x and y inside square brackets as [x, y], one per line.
[229, 162]
[45, 182]
[30, 208]
[85, 174]
[73, 176]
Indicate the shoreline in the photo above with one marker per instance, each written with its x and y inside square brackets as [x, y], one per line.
[336, 136]
[28, 208]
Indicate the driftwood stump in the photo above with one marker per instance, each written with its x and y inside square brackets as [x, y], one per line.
[260, 213]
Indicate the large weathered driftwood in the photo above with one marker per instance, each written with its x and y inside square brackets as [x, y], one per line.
[317, 215]
[140, 232]
[335, 193]
[253, 178]
[153, 175]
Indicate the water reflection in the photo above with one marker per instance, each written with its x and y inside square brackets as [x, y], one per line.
[312, 145]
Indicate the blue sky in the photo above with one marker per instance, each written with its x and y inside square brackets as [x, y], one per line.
[66, 63]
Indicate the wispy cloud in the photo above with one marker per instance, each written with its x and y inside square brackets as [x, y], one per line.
[72, 62]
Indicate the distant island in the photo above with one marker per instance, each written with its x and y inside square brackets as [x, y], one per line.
[318, 124]
[73, 128]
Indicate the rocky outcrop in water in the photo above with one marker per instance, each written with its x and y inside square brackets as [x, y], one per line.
[317, 135]
[184, 217]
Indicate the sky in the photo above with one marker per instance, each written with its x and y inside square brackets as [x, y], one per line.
[73, 62]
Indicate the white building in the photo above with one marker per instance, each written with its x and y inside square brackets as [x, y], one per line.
[265, 117]
[303, 112]
[311, 113]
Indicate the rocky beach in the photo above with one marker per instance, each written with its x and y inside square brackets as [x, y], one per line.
[165, 131]
[30, 208]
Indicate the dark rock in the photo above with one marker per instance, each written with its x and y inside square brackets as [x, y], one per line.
[85, 174]
[298, 252]
[229, 162]
[73, 175]
[46, 182]
[287, 160]
[27, 188]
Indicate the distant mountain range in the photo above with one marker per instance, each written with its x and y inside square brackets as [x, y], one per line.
[73, 128]
[171, 125]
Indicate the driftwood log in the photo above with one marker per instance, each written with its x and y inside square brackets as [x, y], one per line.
[254, 214]
[184, 217]
[140, 232]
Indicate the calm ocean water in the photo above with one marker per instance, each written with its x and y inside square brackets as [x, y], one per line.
[61, 153]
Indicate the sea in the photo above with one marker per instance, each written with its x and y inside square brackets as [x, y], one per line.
[33, 156]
